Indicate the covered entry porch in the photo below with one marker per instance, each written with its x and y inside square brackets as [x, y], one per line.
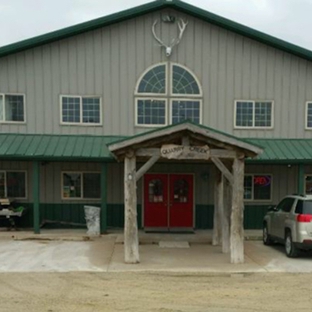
[187, 142]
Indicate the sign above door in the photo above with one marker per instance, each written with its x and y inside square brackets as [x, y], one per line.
[172, 151]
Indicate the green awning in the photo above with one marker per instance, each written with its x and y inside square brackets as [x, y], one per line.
[290, 151]
[94, 148]
[55, 147]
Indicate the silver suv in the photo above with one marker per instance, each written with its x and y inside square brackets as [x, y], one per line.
[290, 223]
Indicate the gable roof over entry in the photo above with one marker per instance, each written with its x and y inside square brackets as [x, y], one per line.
[172, 133]
[152, 7]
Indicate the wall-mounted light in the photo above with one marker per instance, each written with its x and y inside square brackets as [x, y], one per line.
[205, 176]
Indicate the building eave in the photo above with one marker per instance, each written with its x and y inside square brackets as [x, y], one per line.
[151, 7]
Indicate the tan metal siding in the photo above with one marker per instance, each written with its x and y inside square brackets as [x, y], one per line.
[107, 62]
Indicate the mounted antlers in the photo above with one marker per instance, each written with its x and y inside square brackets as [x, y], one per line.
[181, 25]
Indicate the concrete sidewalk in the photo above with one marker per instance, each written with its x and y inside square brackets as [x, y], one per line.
[65, 251]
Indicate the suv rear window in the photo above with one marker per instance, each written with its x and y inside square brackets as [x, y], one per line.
[304, 207]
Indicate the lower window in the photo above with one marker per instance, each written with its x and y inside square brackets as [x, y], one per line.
[257, 187]
[308, 184]
[13, 184]
[81, 185]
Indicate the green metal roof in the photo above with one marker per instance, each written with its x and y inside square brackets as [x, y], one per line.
[283, 151]
[151, 7]
[94, 148]
[55, 147]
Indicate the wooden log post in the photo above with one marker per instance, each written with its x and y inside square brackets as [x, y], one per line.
[227, 206]
[218, 210]
[237, 216]
[131, 240]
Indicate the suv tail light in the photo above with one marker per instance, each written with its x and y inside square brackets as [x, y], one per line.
[304, 218]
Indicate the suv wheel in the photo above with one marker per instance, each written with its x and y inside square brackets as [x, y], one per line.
[290, 249]
[265, 235]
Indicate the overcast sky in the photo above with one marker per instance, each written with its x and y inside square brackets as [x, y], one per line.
[289, 20]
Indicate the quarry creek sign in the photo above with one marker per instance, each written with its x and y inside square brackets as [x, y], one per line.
[172, 151]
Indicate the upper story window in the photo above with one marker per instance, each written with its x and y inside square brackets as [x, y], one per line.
[85, 110]
[167, 94]
[12, 108]
[309, 115]
[253, 114]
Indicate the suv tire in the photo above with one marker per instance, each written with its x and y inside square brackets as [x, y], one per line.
[290, 248]
[266, 238]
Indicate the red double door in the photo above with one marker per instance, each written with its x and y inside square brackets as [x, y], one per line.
[168, 201]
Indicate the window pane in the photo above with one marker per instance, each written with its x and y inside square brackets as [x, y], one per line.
[154, 81]
[72, 185]
[309, 115]
[91, 185]
[155, 191]
[304, 207]
[1, 108]
[16, 184]
[71, 109]
[181, 191]
[185, 110]
[262, 187]
[248, 187]
[2, 184]
[151, 112]
[14, 108]
[183, 82]
[308, 185]
[91, 110]
[244, 114]
[263, 114]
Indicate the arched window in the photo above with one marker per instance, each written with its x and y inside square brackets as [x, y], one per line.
[167, 94]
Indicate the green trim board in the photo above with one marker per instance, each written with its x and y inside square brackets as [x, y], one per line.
[149, 8]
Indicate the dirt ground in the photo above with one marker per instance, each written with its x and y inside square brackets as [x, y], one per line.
[159, 292]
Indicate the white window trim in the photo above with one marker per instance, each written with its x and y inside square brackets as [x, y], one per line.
[306, 116]
[84, 124]
[168, 96]
[142, 94]
[26, 183]
[151, 125]
[186, 99]
[24, 107]
[271, 190]
[200, 95]
[253, 115]
[82, 198]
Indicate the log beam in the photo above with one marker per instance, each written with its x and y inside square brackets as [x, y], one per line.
[225, 171]
[146, 167]
[218, 210]
[227, 206]
[131, 240]
[237, 215]
[219, 153]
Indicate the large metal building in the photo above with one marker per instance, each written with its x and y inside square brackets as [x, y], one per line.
[168, 82]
